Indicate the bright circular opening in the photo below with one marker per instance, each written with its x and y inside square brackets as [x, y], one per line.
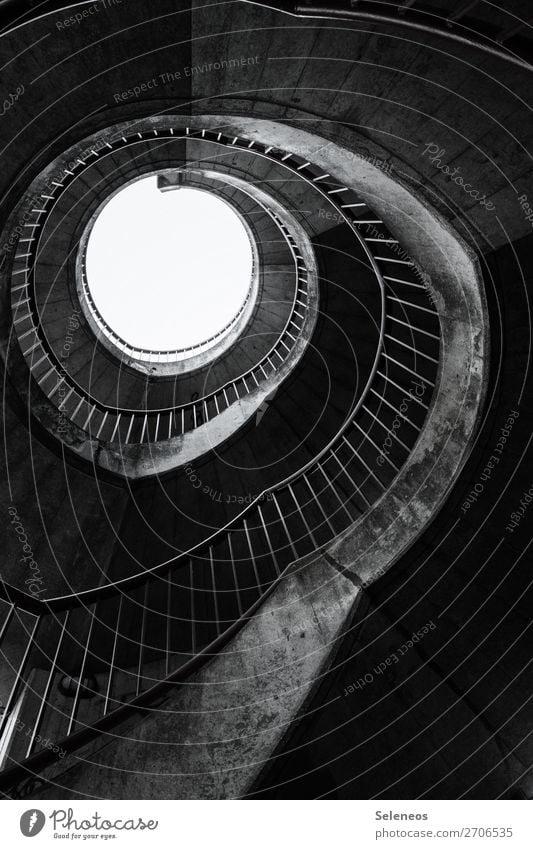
[168, 270]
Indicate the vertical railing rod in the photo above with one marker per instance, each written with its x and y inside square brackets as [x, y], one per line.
[214, 585]
[18, 676]
[81, 673]
[348, 475]
[293, 549]
[267, 537]
[6, 622]
[302, 517]
[234, 572]
[319, 505]
[380, 452]
[113, 654]
[334, 491]
[44, 699]
[193, 622]
[258, 582]
[142, 640]
[363, 463]
[168, 630]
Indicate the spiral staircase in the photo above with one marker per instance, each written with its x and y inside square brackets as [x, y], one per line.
[221, 475]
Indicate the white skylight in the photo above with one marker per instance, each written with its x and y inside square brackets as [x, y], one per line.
[167, 270]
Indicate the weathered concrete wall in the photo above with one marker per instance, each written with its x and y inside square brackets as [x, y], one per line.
[467, 104]
[395, 90]
[452, 716]
[212, 736]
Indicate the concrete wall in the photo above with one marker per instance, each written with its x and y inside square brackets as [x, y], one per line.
[468, 104]
[211, 737]
[452, 716]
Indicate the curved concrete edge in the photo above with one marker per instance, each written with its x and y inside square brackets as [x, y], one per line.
[209, 768]
[451, 273]
[194, 361]
[213, 735]
[140, 461]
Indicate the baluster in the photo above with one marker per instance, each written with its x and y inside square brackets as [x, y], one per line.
[81, 674]
[380, 452]
[385, 428]
[410, 370]
[234, 573]
[353, 483]
[48, 687]
[214, 585]
[193, 622]
[267, 537]
[142, 639]
[319, 505]
[129, 429]
[293, 549]
[113, 654]
[302, 517]
[6, 622]
[258, 581]
[397, 411]
[18, 676]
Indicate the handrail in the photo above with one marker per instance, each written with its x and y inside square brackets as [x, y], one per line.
[87, 596]
[282, 162]
[73, 741]
[328, 12]
[80, 601]
[26, 767]
[175, 409]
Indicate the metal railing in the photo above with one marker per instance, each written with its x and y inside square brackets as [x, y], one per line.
[411, 15]
[138, 426]
[118, 646]
[77, 664]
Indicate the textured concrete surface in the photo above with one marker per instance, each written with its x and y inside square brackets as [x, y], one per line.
[142, 460]
[332, 71]
[214, 734]
[452, 275]
[452, 718]
[431, 98]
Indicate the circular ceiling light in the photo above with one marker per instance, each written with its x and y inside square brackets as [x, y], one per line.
[167, 270]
